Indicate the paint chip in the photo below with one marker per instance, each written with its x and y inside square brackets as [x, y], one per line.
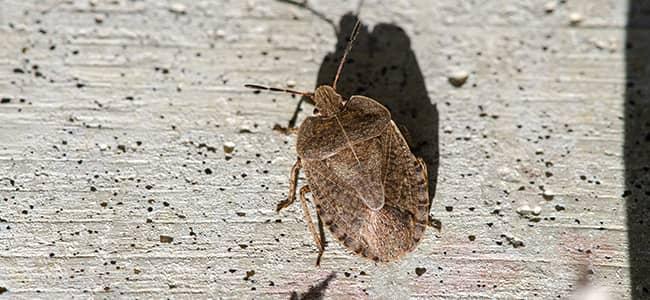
[548, 195]
[524, 210]
[549, 7]
[249, 274]
[575, 18]
[178, 8]
[228, 147]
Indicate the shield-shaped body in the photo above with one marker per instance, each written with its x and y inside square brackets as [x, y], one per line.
[368, 187]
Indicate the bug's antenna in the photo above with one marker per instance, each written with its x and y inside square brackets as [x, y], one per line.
[355, 32]
[274, 89]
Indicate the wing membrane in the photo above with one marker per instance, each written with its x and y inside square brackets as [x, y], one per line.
[347, 196]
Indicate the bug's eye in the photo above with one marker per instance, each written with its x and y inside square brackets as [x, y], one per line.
[316, 111]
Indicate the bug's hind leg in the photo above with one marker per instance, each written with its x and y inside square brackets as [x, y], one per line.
[312, 228]
[293, 181]
[435, 223]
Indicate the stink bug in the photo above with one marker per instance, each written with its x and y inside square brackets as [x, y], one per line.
[367, 186]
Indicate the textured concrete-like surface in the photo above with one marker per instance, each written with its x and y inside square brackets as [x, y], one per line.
[114, 180]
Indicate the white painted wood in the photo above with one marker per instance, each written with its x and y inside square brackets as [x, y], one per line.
[135, 100]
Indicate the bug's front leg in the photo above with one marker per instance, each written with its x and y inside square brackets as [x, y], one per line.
[293, 181]
[312, 228]
[285, 130]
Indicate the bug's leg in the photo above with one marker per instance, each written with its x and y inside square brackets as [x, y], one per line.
[291, 127]
[294, 117]
[321, 234]
[435, 223]
[293, 181]
[423, 165]
[285, 130]
[317, 239]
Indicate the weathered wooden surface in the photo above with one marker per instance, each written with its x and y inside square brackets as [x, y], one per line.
[118, 144]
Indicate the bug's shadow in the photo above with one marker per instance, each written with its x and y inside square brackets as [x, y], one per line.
[637, 145]
[382, 66]
[315, 292]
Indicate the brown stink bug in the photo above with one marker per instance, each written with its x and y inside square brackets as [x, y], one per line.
[368, 187]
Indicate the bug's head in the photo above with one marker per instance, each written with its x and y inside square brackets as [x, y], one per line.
[327, 100]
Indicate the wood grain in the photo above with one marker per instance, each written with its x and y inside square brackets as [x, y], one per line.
[111, 142]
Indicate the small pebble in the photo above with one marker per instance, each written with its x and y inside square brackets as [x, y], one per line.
[539, 151]
[524, 210]
[507, 174]
[228, 147]
[458, 78]
[291, 83]
[221, 33]
[447, 129]
[599, 44]
[575, 18]
[537, 210]
[550, 7]
[548, 195]
[178, 8]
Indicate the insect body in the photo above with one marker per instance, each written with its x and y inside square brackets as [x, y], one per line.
[368, 187]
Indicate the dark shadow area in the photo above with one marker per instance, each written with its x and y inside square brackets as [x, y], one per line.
[382, 66]
[315, 292]
[637, 145]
